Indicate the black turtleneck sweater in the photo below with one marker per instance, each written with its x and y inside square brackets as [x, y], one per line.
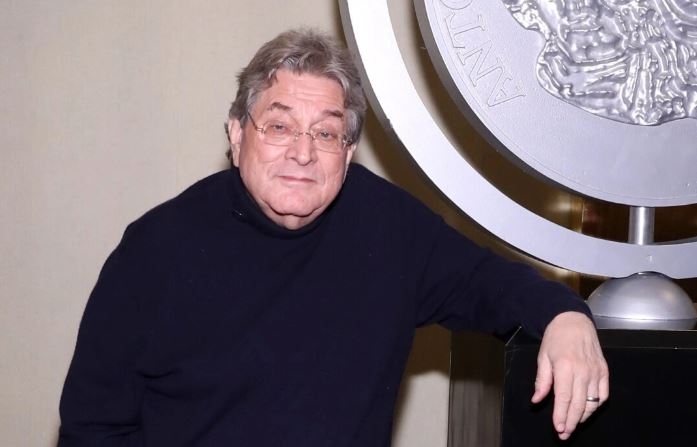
[211, 326]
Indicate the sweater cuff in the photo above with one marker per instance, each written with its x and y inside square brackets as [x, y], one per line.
[552, 306]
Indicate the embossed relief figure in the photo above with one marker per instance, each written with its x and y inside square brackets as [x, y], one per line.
[633, 61]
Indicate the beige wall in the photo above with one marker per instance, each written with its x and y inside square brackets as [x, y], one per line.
[109, 108]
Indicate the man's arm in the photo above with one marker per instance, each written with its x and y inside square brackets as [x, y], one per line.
[571, 361]
[471, 288]
[103, 391]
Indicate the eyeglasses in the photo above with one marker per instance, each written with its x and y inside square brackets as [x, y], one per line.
[281, 133]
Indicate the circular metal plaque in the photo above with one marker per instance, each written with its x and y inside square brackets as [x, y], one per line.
[399, 108]
[491, 65]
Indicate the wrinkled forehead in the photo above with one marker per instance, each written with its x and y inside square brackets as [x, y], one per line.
[282, 74]
[303, 93]
[283, 108]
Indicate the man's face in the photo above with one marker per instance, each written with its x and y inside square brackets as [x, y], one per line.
[293, 184]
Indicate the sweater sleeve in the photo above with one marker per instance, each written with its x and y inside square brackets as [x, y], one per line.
[103, 391]
[467, 287]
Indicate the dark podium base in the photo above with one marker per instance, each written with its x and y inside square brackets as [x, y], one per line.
[653, 393]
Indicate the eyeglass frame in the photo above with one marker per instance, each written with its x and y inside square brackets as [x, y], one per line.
[345, 142]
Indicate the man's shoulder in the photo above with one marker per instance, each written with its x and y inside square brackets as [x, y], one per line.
[361, 180]
[193, 207]
[375, 192]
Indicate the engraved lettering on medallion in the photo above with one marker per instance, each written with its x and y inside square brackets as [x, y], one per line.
[473, 46]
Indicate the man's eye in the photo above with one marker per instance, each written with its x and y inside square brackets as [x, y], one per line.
[277, 128]
[325, 135]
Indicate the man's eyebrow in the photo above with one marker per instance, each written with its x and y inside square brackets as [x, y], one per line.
[286, 108]
[337, 113]
[279, 105]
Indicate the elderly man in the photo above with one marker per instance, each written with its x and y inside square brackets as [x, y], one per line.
[274, 304]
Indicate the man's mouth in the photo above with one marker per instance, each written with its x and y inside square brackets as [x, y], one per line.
[296, 179]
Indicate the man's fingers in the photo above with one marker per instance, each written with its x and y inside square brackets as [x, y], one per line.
[592, 401]
[563, 394]
[599, 390]
[571, 358]
[569, 406]
[543, 380]
[604, 383]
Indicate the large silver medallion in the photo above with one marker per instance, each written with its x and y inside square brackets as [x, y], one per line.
[597, 96]
[503, 95]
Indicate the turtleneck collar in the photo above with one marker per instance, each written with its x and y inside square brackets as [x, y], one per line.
[245, 209]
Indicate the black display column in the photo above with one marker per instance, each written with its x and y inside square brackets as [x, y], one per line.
[653, 393]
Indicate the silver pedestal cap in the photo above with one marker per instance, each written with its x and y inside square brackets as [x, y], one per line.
[642, 301]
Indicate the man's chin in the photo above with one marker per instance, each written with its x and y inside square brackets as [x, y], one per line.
[296, 216]
[293, 205]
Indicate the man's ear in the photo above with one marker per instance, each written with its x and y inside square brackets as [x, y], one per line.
[234, 130]
[349, 155]
[349, 152]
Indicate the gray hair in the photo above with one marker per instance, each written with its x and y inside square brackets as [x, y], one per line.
[303, 51]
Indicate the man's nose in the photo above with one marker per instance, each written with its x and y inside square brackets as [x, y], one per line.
[303, 149]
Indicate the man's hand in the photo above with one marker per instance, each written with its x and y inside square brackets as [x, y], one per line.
[570, 358]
